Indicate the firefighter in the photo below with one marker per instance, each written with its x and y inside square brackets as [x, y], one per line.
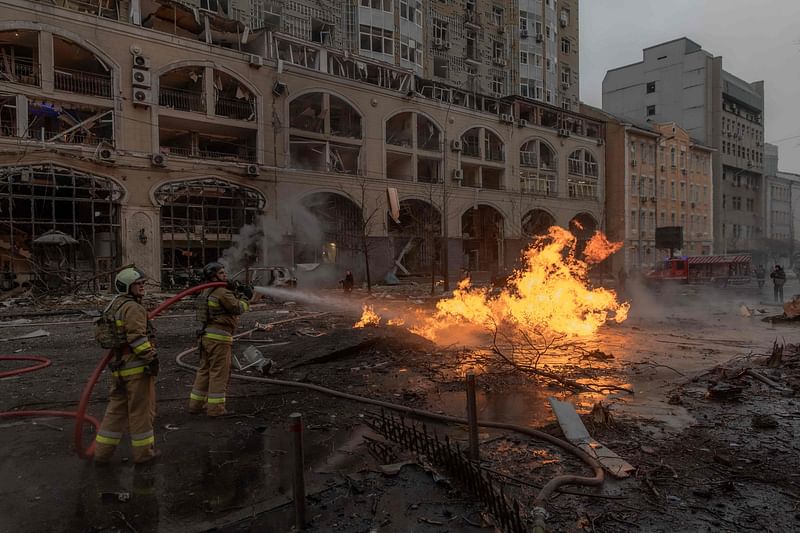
[218, 311]
[131, 405]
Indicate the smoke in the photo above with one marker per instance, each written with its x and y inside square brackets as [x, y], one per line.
[246, 249]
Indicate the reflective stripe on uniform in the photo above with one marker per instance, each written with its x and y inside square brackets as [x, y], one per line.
[131, 368]
[198, 396]
[140, 345]
[216, 398]
[216, 334]
[244, 306]
[108, 437]
[143, 439]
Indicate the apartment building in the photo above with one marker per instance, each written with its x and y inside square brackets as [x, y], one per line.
[151, 133]
[657, 176]
[498, 48]
[679, 82]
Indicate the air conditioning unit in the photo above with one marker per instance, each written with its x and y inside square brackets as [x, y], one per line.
[141, 78]
[158, 160]
[600, 141]
[458, 175]
[564, 86]
[456, 145]
[139, 61]
[563, 132]
[523, 34]
[522, 123]
[256, 60]
[106, 154]
[507, 118]
[539, 38]
[633, 162]
[142, 97]
[438, 42]
[252, 170]
[564, 22]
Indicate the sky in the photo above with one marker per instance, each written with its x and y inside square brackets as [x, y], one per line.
[757, 39]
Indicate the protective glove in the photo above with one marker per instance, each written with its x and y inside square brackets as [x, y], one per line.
[152, 367]
[247, 291]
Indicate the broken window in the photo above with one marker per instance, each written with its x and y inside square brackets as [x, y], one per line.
[582, 174]
[209, 142]
[77, 70]
[337, 125]
[414, 132]
[481, 143]
[416, 238]
[538, 166]
[19, 57]
[482, 234]
[536, 222]
[440, 66]
[58, 225]
[8, 115]
[327, 228]
[199, 219]
[50, 121]
[232, 99]
[183, 89]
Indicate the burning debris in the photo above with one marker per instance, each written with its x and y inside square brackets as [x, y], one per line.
[368, 318]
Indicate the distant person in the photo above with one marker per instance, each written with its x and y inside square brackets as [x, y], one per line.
[622, 278]
[778, 276]
[761, 274]
[347, 283]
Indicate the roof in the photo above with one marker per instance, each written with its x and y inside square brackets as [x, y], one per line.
[714, 259]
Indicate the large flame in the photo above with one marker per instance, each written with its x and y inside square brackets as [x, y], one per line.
[368, 317]
[550, 293]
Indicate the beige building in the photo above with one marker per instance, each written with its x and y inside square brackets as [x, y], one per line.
[156, 143]
[657, 176]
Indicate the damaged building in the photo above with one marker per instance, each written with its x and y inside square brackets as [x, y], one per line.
[150, 132]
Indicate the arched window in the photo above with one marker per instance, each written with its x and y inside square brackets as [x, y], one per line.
[199, 219]
[413, 148]
[582, 174]
[60, 225]
[324, 134]
[538, 164]
[483, 153]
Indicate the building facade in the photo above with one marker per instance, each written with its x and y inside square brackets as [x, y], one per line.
[144, 136]
[657, 176]
[498, 48]
[679, 82]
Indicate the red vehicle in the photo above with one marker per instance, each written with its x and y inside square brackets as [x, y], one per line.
[719, 270]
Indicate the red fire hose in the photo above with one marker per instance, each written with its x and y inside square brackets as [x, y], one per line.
[80, 415]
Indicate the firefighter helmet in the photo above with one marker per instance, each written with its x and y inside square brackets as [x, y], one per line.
[127, 277]
[211, 270]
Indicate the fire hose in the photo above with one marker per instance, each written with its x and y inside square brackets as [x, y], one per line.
[544, 493]
[80, 415]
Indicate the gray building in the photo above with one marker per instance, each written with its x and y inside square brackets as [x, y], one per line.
[679, 81]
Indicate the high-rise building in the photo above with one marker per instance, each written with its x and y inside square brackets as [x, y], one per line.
[497, 48]
[678, 81]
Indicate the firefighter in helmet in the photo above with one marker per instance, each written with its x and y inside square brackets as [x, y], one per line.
[131, 405]
[218, 310]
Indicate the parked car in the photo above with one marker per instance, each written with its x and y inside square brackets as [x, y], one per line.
[269, 276]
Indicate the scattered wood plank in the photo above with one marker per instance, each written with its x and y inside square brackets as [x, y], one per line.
[577, 434]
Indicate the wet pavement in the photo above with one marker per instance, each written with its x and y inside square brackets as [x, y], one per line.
[233, 474]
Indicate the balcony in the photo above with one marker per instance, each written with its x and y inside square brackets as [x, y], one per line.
[237, 109]
[582, 190]
[237, 154]
[22, 71]
[182, 100]
[74, 137]
[540, 185]
[80, 82]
